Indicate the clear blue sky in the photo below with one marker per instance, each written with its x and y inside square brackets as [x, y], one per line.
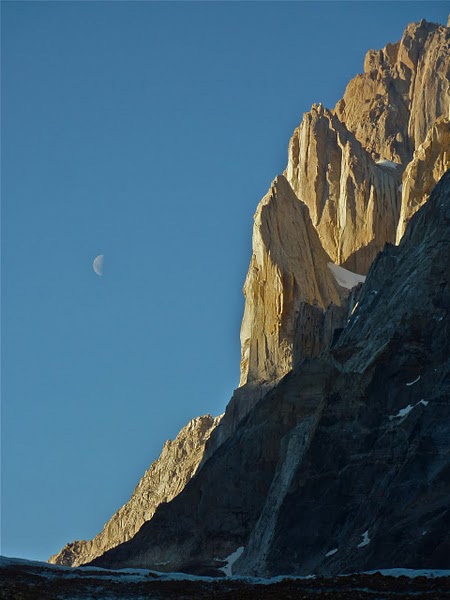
[147, 132]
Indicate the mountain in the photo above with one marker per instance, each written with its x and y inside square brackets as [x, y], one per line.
[331, 455]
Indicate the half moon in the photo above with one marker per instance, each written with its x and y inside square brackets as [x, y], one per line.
[97, 265]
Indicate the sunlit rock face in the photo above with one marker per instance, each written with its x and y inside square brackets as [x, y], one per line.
[288, 270]
[430, 161]
[346, 164]
[403, 90]
[293, 303]
[354, 202]
[164, 480]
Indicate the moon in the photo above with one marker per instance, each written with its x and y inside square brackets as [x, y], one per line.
[97, 265]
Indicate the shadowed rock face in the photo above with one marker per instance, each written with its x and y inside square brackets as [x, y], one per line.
[349, 452]
[374, 482]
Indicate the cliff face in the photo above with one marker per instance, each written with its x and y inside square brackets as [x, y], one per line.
[288, 270]
[430, 161]
[366, 484]
[343, 465]
[404, 88]
[346, 166]
[166, 478]
[354, 202]
[328, 457]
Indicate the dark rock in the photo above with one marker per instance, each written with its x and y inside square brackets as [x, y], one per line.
[349, 452]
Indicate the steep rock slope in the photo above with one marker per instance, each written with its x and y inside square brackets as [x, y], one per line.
[288, 269]
[429, 163]
[165, 478]
[346, 164]
[354, 202]
[404, 88]
[293, 303]
[371, 488]
[343, 465]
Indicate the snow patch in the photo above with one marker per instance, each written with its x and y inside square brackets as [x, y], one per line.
[413, 382]
[402, 412]
[331, 552]
[365, 540]
[405, 411]
[354, 308]
[387, 163]
[346, 279]
[430, 573]
[230, 560]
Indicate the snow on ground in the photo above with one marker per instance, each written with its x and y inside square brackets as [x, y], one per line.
[413, 382]
[231, 559]
[365, 540]
[430, 573]
[139, 575]
[387, 163]
[345, 278]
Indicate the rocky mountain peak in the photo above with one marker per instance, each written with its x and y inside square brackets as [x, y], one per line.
[393, 104]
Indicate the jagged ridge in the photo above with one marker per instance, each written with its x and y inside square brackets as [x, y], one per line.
[165, 478]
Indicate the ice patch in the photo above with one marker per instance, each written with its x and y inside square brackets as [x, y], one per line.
[365, 540]
[230, 560]
[346, 279]
[413, 382]
[331, 552]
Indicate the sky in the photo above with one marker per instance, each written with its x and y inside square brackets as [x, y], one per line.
[147, 132]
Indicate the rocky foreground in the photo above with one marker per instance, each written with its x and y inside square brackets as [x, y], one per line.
[23, 580]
